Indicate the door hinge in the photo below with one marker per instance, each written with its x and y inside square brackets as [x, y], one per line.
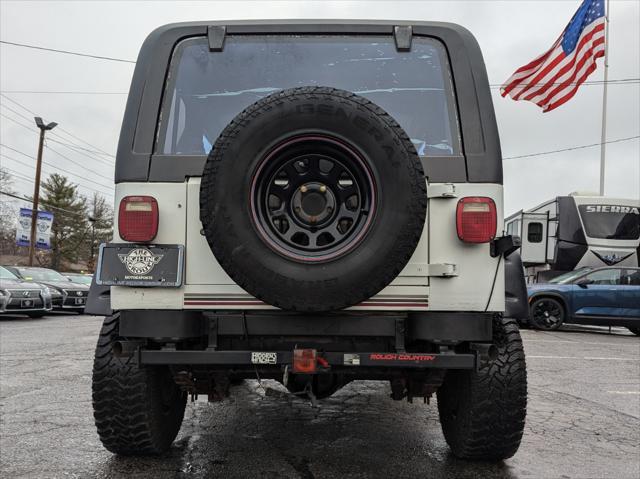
[216, 35]
[446, 270]
[442, 190]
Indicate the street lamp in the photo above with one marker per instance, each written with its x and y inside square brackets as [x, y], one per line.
[36, 188]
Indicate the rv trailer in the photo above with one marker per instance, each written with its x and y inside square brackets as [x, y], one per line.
[575, 231]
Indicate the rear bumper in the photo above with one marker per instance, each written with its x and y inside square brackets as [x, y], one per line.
[285, 358]
[353, 343]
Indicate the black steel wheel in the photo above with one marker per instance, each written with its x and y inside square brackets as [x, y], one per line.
[547, 313]
[313, 198]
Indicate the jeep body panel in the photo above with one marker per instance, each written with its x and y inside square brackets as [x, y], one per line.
[477, 284]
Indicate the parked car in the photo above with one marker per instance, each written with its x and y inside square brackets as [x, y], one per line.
[66, 295]
[22, 297]
[79, 278]
[607, 296]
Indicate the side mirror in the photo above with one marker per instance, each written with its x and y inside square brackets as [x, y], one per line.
[584, 282]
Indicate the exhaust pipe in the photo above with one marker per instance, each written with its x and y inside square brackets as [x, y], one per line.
[125, 349]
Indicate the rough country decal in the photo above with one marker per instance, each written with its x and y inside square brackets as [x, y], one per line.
[140, 261]
[400, 357]
[612, 209]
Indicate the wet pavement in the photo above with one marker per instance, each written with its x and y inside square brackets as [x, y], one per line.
[583, 418]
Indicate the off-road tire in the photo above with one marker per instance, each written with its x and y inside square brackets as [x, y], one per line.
[483, 412]
[138, 411]
[299, 284]
[635, 331]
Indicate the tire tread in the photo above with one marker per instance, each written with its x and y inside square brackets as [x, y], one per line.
[125, 401]
[491, 403]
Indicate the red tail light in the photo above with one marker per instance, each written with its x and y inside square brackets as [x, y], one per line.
[476, 219]
[138, 218]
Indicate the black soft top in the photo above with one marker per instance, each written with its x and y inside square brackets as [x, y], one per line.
[481, 160]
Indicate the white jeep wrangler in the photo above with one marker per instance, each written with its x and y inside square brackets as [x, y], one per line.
[314, 203]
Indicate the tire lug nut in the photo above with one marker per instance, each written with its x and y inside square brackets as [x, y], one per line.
[303, 188]
[323, 189]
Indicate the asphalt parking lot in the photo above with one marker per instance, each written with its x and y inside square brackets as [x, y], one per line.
[583, 418]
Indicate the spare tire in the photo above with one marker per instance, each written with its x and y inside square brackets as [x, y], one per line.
[313, 199]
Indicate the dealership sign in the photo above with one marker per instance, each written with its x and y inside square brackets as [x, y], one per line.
[43, 228]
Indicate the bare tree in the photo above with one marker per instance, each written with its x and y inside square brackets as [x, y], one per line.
[8, 212]
[100, 228]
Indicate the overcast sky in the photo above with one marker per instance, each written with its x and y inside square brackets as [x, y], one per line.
[510, 34]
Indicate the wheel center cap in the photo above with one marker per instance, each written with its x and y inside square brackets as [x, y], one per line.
[313, 203]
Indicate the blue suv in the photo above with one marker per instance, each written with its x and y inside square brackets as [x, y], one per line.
[606, 296]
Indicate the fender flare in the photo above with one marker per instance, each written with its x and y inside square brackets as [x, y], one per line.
[515, 289]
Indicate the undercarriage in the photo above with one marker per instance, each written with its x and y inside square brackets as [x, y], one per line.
[316, 354]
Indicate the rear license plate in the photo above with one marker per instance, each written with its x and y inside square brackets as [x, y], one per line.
[140, 265]
[79, 300]
[27, 303]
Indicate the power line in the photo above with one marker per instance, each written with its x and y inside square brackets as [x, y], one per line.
[72, 147]
[83, 153]
[18, 123]
[21, 115]
[30, 181]
[56, 168]
[68, 133]
[59, 127]
[571, 148]
[15, 173]
[21, 176]
[11, 195]
[78, 147]
[67, 52]
[17, 151]
[78, 164]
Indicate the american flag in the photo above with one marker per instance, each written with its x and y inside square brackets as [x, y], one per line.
[554, 77]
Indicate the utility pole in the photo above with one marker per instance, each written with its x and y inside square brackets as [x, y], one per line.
[36, 188]
[603, 135]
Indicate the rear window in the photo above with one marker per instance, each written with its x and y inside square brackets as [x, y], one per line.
[611, 221]
[205, 90]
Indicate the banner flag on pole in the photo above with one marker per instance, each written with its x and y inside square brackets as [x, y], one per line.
[43, 228]
[554, 77]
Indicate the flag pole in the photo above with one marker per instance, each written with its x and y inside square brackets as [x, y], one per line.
[603, 136]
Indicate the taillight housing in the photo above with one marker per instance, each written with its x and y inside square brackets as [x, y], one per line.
[476, 219]
[138, 218]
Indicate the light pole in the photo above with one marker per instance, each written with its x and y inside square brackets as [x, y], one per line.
[36, 188]
[92, 249]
